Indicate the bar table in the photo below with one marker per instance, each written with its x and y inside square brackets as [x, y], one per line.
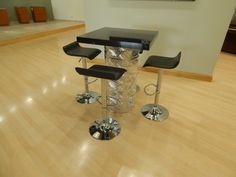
[121, 48]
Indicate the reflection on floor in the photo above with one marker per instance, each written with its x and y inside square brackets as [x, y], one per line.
[44, 131]
[17, 30]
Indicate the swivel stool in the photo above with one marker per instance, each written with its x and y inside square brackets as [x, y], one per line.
[107, 127]
[155, 111]
[74, 49]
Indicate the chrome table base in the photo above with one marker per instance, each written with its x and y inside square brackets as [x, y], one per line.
[87, 97]
[154, 112]
[105, 129]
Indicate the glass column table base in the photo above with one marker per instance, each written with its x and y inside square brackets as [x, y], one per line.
[121, 93]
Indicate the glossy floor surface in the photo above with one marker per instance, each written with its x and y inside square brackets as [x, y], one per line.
[44, 131]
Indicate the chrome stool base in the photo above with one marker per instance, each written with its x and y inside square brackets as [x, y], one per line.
[87, 97]
[154, 112]
[105, 129]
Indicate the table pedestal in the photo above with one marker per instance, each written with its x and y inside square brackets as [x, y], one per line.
[121, 93]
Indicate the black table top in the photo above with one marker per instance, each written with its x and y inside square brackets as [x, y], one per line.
[118, 37]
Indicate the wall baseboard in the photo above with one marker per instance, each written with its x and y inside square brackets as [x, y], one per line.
[39, 34]
[184, 74]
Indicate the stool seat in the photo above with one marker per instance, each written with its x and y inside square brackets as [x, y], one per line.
[101, 71]
[74, 49]
[163, 62]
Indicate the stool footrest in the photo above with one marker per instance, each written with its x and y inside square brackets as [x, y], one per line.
[101, 71]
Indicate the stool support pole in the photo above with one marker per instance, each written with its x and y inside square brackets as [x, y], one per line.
[104, 97]
[158, 87]
[84, 64]
[155, 111]
[106, 128]
[87, 96]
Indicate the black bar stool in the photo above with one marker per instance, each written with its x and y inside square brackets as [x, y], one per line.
[107, 127]
[155, 111]
[74, 49]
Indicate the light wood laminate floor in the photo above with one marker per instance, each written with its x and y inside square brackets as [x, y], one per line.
[44, 131]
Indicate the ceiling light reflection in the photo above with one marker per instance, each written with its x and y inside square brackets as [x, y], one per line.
[63, 80]
[84, 148]
[83, 154]
[12, 109]
[29, 100]
[54, 84]
[130, 172]
[45, 90]
[1, 118]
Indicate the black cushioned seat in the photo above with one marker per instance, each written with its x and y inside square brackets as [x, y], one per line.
[163, 62]
[101, 71]
[74, 49]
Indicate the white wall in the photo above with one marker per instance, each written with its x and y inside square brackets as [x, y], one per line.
[197, 28]
[68, 9]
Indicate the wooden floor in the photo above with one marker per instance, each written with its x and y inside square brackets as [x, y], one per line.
[44, 131]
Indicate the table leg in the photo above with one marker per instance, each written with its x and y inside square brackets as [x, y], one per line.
[121, 93]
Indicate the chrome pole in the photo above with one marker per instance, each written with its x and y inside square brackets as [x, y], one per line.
[158, 86]
[84, 64]
[104, 97]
